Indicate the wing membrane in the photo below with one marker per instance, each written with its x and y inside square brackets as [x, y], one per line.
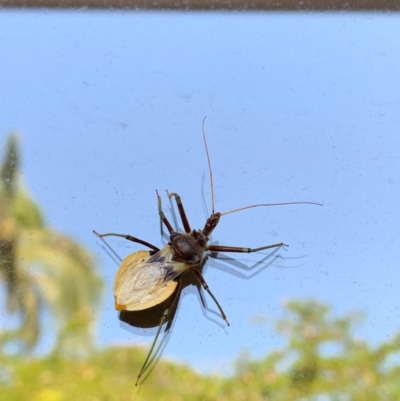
[144, 281]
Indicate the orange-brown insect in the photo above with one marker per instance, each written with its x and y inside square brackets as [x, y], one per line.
[145, 280]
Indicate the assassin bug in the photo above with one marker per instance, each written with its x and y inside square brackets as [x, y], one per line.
[146, 279]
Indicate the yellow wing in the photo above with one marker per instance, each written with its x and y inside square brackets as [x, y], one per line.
[143, 281]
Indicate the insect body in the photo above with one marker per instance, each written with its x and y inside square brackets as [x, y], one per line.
[144, 280]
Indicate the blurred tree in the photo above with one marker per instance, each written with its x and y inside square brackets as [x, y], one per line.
[324, 360]
[42, 270]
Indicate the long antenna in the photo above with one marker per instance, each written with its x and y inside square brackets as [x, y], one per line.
[271, 204]
[209, 167]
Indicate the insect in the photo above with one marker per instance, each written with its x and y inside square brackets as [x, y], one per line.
[146, 279]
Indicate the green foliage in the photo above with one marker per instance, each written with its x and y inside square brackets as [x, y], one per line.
[108, 375]
[9, 168]
[305, 369]
[26, 213]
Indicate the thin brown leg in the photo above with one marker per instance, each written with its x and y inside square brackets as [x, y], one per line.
[162, 216]
[130, 238]
[163, 319]
[203, 282]
[181, 210]
[222, 248]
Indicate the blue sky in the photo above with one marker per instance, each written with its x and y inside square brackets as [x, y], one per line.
[300, 107]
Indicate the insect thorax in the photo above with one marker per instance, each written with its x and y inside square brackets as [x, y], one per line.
[188, 248]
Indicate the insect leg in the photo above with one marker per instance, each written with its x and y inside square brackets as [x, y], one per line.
[130, 238]
[203, 282]
[163, 219]
[163, 319]
[181, 210]
[222, 248]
